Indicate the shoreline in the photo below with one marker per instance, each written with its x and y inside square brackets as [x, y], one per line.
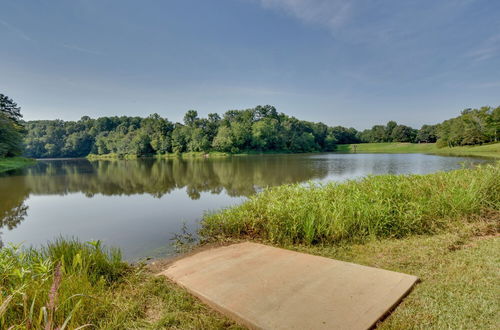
[491, 150]
[483, 151]
[15, 163]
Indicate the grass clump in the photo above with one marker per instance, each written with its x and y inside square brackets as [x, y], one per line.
[56, 284]
[71, 284]
[386, 206]
[8, 164]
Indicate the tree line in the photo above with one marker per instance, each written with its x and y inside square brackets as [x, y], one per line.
[472, 127]
[260, 129]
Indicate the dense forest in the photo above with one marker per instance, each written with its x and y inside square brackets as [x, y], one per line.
[260, 129]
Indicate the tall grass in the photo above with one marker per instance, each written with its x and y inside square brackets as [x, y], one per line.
[57, 286]
[374, 207]
[73, 285]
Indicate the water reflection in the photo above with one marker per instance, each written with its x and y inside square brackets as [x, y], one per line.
[138, 205]
[237, 176]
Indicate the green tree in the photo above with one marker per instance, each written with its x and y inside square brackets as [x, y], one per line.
[223, 141]
[427, 134]
[305, 143]
[379, 133]
[402, 133]
[330, 142]
[473, 126]
[493, 124]
[389, 128]
[11, 129]
[265, 134]
[198, 141]
[242, 134]
[78, 144]
[180, 138]
[141, 144]
[191, 118]
[10, 109]
[159, 130]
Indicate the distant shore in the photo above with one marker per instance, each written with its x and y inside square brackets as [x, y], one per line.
[189, 155]
[485, 150]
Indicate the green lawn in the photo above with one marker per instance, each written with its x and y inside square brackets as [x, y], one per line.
[488, 150]
[459, 275]
[7, 164]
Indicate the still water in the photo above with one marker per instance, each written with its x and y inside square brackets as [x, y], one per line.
[138, 205]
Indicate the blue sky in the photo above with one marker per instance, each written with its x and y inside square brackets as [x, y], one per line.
[352, 63]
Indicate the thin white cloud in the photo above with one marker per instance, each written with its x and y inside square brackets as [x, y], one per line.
[329, 13]
[19, 33]
[81, 49]
[368, 21]
[15, 30]
[490, 48]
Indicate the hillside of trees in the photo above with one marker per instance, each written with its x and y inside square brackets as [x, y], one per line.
[11, 128]
[260, 129]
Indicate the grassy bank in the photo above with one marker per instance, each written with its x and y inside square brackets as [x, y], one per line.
[374, 207]
[69, 284]
[7, 164]
[488, 150]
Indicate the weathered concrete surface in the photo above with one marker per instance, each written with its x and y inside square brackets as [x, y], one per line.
[264, 287]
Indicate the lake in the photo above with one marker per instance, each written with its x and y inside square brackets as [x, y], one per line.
[138, 205]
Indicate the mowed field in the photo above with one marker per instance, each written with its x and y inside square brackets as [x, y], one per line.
[487, 150]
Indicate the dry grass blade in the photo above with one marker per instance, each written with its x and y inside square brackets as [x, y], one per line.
[5, 304]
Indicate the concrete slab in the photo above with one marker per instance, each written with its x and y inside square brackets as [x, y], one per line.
[264, 287]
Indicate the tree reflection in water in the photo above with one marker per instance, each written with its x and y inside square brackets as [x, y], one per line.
[237, 176]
